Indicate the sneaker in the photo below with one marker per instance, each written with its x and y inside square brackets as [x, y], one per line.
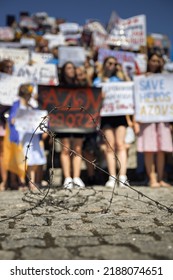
[68, 183]
[123, 181]
[111, 182]
[78, 182]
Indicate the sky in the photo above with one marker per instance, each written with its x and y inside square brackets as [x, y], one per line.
[159, 13]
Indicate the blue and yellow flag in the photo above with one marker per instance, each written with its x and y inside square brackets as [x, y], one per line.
[14, 158]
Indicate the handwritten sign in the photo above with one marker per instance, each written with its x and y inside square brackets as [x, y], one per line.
[118, 99]
[44, 74]
[134, 29]
[154, 98]
[9, 88]
[66, 102]
[16, 55]
[127, 59]
[29, 121]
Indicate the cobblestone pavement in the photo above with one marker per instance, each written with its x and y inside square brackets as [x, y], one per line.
[93, 223]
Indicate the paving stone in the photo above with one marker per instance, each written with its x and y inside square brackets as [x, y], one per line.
[87, 224]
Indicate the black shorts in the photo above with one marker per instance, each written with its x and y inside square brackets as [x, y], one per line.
[113, 122]
[69, 135]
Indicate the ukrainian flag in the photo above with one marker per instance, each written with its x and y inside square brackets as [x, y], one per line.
[14, 158]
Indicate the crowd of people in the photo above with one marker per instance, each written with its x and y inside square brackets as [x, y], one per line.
[154, 140]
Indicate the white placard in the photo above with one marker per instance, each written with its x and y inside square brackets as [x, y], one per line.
[40, 57]
[69, 27]
[73, 54]
[9, 88]
[16, 55]
[127, 59]
[54, 39]
[29, 121]
[6, 33]
[134, 29]
[118, 99]
[154, 98]
[43, 74]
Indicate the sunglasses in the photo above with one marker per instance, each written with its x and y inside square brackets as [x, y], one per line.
[111, 63]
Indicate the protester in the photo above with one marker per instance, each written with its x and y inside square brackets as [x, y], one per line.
[71, 171]
[114, 129]
[94, 73]
[82, 77]
[6, 66]
[90, 142]
[89, 67]
[24, 145]
[154, 139]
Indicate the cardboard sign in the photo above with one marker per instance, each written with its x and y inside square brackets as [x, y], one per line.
[127, 59]
[73, 54]
[28, 121]
[16, 55]
[118, 99]
[154, 98]
[40, 57]
[6, 33]
[133, 28]
[67, 104]
[44, 74]
[9, 88]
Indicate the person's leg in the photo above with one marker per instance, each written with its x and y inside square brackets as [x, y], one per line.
[65, 157]
[110, 151]
[160, 162]
[31, 170]
[39, 174]
[77, 160]
[120, 145]
[120, 133]
[3, 172]
[150, 169]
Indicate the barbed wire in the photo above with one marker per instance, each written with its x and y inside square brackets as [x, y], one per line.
[45, 198]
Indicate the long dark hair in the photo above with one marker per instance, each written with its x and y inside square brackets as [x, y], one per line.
[159, 55]
[62, 75]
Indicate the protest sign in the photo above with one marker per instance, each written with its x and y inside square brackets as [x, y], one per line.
[28, 22]
[122, 56]
[67, 103]
[73, 54]
[40, 57]
[9, 88]
[99, 39]
[154, 98]
[16, 55]
[93, 26]
[27, 42]
[118, 99]
[6, 33]
[69, 27]
[133, 28]
[14, 45]
[54, 40]
[44, 74]
[127, 59]
[28, 121]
